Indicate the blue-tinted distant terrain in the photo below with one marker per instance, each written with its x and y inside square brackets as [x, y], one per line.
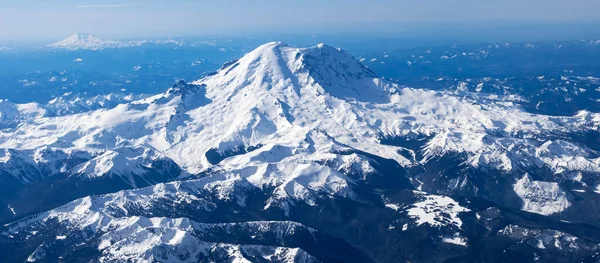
[550, 77]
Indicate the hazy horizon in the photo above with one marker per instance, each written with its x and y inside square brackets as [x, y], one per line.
[415, 33]
[42, 20]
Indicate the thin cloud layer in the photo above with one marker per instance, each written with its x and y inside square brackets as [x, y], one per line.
[104, 6]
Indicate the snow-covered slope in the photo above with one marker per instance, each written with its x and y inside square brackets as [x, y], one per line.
[68, 103]
[299, 127]
[140, 239]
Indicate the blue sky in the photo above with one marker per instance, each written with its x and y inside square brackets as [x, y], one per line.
[55, 19]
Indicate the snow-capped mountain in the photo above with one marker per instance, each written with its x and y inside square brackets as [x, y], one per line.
[85, 41]
[297, 137]
[92, 42]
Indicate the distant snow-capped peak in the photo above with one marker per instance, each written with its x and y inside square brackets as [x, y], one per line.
[93, 42]
[84, 41]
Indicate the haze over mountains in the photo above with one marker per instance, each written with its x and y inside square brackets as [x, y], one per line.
[297, 155]
[92, 42]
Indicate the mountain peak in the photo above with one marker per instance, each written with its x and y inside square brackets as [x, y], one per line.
[328, 69]
[83, 41]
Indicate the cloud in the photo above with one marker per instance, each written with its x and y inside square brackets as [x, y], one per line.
[104, 6]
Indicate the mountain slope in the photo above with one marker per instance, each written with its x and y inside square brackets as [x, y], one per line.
[307, 135]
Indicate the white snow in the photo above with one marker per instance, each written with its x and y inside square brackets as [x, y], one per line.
[38, 254]
[479, 87]
[12, 210]
[462, 86]
[539, 197]
[393, 207]
[456, 240]
[124, 239]
[436, 211]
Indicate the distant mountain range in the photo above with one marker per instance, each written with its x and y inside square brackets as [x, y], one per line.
[92, 42]
[297, 155]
